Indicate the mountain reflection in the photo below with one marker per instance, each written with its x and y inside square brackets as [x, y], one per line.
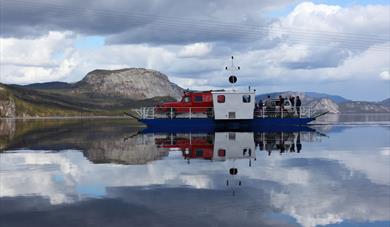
[118, 141]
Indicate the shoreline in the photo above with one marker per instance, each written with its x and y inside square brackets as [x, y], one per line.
[130, 118]
[67, 117]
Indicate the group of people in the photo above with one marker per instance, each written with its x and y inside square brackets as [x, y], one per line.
[271, 104]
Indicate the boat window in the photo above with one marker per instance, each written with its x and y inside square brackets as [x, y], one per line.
[186, 99]
[247, 152]
[246, 98]
[232, 136]
[199, 152]
[198, 98]
[221, 99]
[221, 152]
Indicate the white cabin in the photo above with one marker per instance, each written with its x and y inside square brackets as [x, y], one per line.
[233, 105]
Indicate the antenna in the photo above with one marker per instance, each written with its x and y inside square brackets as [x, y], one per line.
[232, 71]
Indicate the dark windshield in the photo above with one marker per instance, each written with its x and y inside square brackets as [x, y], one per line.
[186, 99]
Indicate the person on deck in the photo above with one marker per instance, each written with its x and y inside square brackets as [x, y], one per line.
[257, 109]
[281, 101]
[260, 105]
[298, 104]
[292, 100]
[268, 105]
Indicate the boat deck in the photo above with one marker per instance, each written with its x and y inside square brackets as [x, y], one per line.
[207, 112]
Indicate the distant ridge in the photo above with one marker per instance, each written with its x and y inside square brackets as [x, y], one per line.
[385, 102]
[335, 98]
[49, 85]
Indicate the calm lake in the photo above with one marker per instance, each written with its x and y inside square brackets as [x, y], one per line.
[114, 172]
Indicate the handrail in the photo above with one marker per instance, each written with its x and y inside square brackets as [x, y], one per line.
[208, 112]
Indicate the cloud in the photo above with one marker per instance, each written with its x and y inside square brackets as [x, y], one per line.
[332, 33]
[315, 45]
[46, 58]
[136, 21]
[195, 50]
[385, 75]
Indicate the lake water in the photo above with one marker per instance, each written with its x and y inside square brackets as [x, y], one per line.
[107, 172]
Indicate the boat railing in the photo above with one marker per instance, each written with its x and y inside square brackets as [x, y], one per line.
[208, 112]
[277, 112]
[174, 112]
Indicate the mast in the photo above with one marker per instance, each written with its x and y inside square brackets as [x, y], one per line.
[233, 70]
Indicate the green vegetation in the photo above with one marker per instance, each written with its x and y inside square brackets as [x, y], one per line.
[52, 131]
[64, 103]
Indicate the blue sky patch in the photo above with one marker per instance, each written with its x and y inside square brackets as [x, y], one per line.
[89, 42]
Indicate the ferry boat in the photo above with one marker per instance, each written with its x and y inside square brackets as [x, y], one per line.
[223, 109]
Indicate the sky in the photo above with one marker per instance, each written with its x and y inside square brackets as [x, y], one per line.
[336, 47]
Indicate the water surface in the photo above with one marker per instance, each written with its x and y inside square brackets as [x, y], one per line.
[103, 172]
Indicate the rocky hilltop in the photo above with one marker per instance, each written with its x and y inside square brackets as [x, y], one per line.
[323, 105]
[134, 83]
[7, 104]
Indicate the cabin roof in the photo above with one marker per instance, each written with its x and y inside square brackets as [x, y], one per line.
[233, 92]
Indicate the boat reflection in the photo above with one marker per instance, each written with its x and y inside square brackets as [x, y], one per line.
[221, 146]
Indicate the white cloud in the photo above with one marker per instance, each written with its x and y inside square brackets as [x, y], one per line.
[331, 37]
[195, 50]
[385, 151]
[43, 59]
[308, 16]
[385, 75]
[313, 22]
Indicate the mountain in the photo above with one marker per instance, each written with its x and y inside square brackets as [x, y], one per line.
[101, 92]
[111, 92]
[324, 104]
[385, 102]
[363, 107]
[49, 85]
[134, 83]
[335, 98]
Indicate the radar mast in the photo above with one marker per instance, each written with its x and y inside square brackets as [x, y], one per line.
[233, 71]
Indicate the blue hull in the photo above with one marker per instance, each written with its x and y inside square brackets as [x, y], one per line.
[207, 124]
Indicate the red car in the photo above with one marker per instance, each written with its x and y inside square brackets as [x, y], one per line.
[194, 102]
